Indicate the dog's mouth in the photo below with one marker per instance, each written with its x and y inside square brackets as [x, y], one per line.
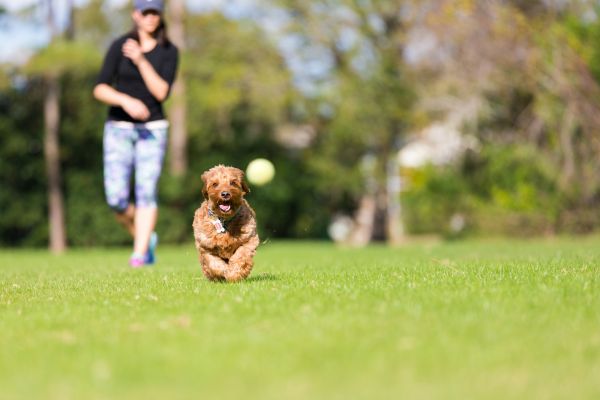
[225, 207]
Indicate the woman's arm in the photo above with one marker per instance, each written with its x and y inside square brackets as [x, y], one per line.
[155, 84]
[104, 91]
[132, 106]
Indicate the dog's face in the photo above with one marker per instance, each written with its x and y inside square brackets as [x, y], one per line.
[224, 188]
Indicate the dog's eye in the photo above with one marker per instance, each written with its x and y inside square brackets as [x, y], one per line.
[234, 183]
[215, 184]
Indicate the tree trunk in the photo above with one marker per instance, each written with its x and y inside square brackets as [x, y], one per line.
[365, 216]
[178, 135]
[566, 140]
[56, 218]
[394, 225]
[56, 215]
[364, 221]
[70, 29]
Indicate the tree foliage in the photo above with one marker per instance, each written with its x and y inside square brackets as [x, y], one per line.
[520, 76]
[238, 94]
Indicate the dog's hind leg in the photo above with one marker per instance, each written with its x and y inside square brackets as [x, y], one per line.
[213, 267]
[242, 261]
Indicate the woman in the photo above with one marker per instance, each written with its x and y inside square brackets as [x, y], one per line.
[136, 77]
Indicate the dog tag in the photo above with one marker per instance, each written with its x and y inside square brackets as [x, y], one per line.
[218, 225]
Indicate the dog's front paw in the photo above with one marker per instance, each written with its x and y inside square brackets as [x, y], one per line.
[239, 268]
[234, 274]
[213, 267]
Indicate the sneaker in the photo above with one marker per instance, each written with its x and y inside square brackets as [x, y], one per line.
[136, 261]
[150, 257]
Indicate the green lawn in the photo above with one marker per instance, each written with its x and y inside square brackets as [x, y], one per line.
[494, 319]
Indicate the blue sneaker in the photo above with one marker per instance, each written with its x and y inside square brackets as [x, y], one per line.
[150, 257]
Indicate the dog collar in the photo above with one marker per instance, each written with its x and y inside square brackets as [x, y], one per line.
[220, 223]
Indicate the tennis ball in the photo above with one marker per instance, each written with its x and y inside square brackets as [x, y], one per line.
[260, 171]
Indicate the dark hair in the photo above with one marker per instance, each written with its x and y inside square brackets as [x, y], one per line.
[160, 34]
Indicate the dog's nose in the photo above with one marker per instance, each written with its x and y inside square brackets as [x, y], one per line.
[225, 195]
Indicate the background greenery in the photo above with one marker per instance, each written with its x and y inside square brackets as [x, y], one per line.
[532, 67]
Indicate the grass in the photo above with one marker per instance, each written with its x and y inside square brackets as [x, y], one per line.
[476, 319]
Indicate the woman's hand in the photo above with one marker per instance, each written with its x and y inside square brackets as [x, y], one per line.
[135, 108]
[132, 106]
[133, 51]
[155, 84]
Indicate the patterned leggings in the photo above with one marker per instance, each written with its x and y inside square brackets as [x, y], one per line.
[128, 148]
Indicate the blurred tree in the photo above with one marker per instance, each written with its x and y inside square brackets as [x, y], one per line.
[239, 91]
[522, 77]
[178, 110]
[51, 63]
[527, 76]
[91, 24]
[232, 68]
[23, 194]
[56, 213]
[366, 99]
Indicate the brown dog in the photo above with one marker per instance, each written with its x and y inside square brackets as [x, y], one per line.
[225, 226]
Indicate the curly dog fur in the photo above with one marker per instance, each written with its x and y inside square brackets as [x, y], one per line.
[225, 226]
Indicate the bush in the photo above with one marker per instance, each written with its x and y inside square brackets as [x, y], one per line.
[503, 190]
[434, 196]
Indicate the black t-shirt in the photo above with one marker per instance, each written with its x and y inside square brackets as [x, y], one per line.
[121, 73]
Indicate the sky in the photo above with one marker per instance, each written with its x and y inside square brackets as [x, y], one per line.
[25, 34]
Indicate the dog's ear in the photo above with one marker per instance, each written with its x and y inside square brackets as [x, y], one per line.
[239, 175]
[204, 178]
[245, 186]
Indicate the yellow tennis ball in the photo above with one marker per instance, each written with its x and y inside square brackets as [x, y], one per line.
[260, 171]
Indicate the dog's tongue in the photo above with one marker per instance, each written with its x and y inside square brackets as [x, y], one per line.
[225, 207]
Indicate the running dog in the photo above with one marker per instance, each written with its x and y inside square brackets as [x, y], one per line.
[225, 226]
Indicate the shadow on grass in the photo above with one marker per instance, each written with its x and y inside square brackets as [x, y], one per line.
[262, 277]
[254, 278]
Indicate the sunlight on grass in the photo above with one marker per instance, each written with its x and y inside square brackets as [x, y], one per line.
[475, 319]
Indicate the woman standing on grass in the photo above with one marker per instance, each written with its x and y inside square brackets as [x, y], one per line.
[136, 77]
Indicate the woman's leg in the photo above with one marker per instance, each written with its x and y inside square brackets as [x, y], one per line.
[150, 150]
[127, 218]
[145, 221]
[118, 163]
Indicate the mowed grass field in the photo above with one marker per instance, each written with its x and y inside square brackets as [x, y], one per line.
[495, 319]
